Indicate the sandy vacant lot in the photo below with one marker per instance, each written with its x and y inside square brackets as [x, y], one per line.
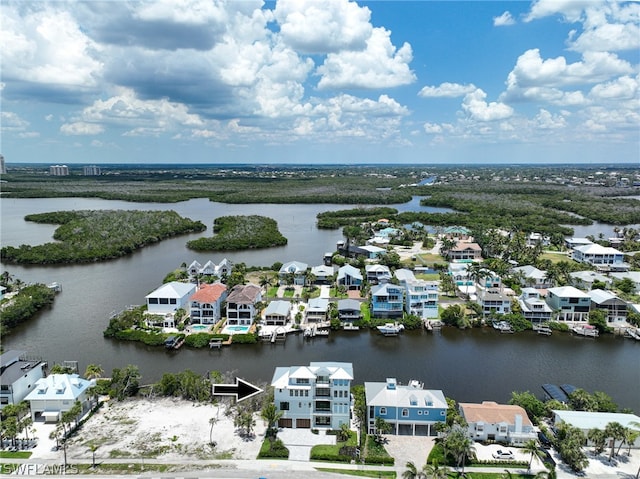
[169, 429]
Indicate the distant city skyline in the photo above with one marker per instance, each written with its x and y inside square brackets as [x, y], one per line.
[320, 82]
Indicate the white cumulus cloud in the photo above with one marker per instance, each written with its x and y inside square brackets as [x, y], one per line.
[448, 90]
[81, 128]
[379, 65]
[475, 105]
[503, 20]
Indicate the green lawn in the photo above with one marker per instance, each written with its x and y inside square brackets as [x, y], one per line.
[15, 454]
[353, 472]
[555, 257]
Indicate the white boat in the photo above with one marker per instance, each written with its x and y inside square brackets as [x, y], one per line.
[350, 327]
[542, 329]
[503, 326]
[391, 329]
[586, 330]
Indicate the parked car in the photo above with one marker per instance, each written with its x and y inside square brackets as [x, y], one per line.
[500, 454]
[544, 440]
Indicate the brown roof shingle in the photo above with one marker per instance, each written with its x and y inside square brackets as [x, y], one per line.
[493, 413]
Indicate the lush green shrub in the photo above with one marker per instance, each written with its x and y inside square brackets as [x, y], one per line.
[146, 337]
[324, 452]
[273, 451]
[436, 456]
[244, 339]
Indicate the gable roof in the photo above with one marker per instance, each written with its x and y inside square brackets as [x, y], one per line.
[318, 304]
[493, 413]
[209, 293]
[405, 275]
[348, 270]
[335, 370]
[600, 296]
[595, 248]
[322, 270]
[464, 246]
[530, 271]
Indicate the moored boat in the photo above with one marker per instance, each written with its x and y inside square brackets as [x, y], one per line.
[391, 329]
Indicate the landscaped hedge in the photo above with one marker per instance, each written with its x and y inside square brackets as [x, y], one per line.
[329, 453]
[276, 451]
[376, 453]
[249, 338]
[201, 340]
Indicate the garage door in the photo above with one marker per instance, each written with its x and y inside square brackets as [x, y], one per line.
[285, 422]
[303, 423]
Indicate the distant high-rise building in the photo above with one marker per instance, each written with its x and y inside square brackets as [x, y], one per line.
[3, 168]
[92, 170]
[59, 170]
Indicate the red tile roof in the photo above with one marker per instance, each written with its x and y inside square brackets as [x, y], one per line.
[209, 293]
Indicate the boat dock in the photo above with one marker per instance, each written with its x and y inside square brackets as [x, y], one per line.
[431, 324]
[313, 331]
[57, 287]
[587, 330]
[350, 327]
[632, 333]
[503, 327]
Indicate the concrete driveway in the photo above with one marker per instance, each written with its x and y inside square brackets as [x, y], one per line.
[300, 441]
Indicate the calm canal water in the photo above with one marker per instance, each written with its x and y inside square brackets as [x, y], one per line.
[469, 365]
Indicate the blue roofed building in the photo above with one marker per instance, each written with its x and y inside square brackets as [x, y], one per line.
[410, 409]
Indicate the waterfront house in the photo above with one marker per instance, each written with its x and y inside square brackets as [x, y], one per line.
[464, 250]
[409, 409]
[350, 277]
[571, 243]
[533, 277]
[323, 274]
[534, 308]
[585, 279]
[210, 268]
[369, 251]
[349, 310]
[206, 303]
[56, 394]
[457, 232]
[460, 274]
[421, 297]
[314, 396]
[490, 421]
[377, 273]
[242, 304]
[18, 375]
[167, 299]
[278, 313]
[570, 303]
[387, 301]
[614, 307]
[538, 238]
[603, 257]
[295, 268]
[491, 295]
[587, 420]
[317, 309]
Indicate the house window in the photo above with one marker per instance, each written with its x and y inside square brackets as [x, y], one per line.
[164, 300]
[172, 301]
[419, 413]
[284, 406]
[383, 411]
[405, 412]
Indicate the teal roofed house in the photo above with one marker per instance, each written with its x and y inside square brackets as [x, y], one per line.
[410, 409]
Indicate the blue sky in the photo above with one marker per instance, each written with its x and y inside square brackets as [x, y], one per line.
[322, 81]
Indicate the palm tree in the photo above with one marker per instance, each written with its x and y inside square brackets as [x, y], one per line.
[614, 431]
[531, 447]
[93, 371]
[412, 472]
[434, 471]
[271, 415]
[93, 448]
[212, 422]
[598, 438]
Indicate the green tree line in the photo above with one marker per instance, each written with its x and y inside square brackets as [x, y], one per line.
[240, 232]
[87, 236]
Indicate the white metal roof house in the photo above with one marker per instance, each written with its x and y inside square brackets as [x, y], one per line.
[278, 313]
[615, 307]
[314, 396]
[168, 298]
[18, 375]
[349, 277]
[585, 279]
[297, 268]
[534, 308]
[56, 394]
[570, 303]
[603, 257]
[317, 309]
[586, 420]
[410, 409]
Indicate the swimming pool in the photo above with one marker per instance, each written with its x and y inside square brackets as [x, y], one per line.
[199, 327]
[237, 329]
